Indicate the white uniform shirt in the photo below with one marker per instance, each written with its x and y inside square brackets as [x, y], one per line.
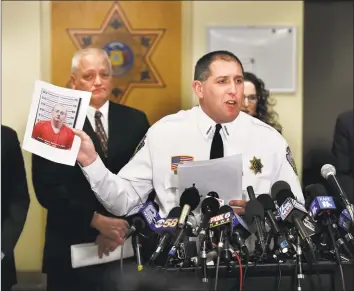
[190, 133]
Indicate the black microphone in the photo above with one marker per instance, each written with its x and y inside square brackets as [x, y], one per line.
[140, 217]
[168, 234]
[269, 208]
[279, 187]
[210, 207]
[213, 194]
[294, 212]
[189, 201]
[254, 213]
[322, 208]
[329, 173]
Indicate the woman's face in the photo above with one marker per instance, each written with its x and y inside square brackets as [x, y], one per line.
[250, 100]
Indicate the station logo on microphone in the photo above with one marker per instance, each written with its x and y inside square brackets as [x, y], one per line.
[129, 50]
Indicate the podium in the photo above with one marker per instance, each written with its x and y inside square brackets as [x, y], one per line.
[323, 276]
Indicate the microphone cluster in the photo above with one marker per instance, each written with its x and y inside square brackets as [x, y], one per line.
[275, 228]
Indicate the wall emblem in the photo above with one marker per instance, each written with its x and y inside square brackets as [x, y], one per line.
[130, 51]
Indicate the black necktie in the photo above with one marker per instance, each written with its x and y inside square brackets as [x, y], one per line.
[101, 134]
[217, 146]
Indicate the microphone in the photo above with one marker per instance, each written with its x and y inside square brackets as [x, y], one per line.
[216, 196]
[329, 173]
[240, 233]
[168, 227]
[210, 207]
[189, 201]
[269, 208]
[279, 187]
[142, 218]
[322, 208]
[345, 223]
[254, 213]
[294, 212]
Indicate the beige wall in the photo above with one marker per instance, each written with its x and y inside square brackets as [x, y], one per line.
[25, 58]
[201, 14]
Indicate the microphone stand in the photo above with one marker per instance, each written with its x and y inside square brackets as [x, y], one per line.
[300, 275]
[138, 257]
[203, 257]
[336, 251]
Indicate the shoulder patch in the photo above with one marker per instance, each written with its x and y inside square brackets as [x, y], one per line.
[289, 157]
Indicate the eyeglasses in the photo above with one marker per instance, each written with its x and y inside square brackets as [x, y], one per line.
[251, 98]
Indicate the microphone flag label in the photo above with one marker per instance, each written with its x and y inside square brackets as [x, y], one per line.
[220, 219]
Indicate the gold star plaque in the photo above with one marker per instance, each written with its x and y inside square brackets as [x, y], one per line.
[129, 50]
[256, 165]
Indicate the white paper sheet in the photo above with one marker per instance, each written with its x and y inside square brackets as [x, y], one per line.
[45, 97]
[224, 176]
[83, 255]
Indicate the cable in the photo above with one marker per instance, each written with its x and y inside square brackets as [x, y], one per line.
[240, 266]
[244, 275]
[337, 255]
[217, 273]
[279, 277]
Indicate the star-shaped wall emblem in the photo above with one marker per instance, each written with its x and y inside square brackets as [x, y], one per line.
[129, 49]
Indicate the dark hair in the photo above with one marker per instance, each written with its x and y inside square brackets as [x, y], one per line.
[202, 67]
[265, 104]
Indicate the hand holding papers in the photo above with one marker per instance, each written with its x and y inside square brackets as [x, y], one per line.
[54, 112]
[224, 176]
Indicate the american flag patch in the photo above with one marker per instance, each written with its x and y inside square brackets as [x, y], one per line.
[176, 160]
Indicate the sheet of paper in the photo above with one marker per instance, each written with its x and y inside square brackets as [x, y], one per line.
[224, 176]
[83, 255]
[54, 111]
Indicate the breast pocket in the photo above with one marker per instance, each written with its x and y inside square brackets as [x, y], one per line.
[171, 189]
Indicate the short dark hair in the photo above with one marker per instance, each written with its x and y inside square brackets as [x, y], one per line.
[202, 67]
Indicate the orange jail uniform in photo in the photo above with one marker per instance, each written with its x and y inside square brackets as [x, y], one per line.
[44, 132]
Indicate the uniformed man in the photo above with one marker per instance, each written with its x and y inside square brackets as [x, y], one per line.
[215, 128]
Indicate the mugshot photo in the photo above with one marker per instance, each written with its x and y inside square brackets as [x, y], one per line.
[55, 117]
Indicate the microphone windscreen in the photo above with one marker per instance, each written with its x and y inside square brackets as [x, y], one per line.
[283, 195]
[139, 223]
[175, 212]
[225, 209]
[210, 205]
[254, 208]
[266, 202]
[213, 194]
[312, 191]
[190, 197]
[278, 187]
[327, 170]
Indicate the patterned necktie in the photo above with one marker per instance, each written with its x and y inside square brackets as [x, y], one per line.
[217, 146]
[101, 134]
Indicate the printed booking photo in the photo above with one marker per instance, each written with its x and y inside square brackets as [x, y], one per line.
[54, 132]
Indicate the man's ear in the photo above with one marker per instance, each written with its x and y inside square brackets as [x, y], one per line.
[198, 89]
[71, 82]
